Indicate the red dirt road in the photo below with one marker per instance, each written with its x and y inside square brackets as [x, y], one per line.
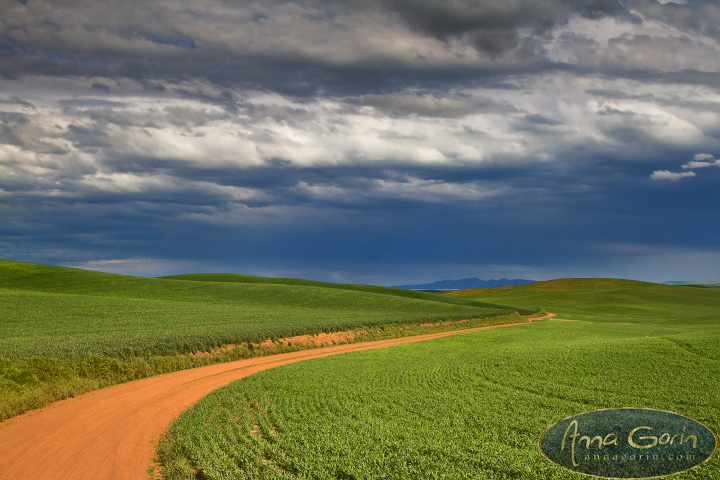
[111, 434]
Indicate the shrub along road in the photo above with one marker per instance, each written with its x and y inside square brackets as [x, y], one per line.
[112, 433]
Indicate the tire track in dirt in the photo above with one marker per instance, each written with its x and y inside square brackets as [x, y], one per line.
[111, 434]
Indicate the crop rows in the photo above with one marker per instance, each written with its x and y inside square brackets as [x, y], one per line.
[470, 406]
[63, 313]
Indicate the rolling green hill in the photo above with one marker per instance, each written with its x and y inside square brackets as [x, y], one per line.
[396, 292]
[610, 300]
[65, 331]
[467, 406]
[69, 313]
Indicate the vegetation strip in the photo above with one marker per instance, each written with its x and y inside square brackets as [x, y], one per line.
[36, 382]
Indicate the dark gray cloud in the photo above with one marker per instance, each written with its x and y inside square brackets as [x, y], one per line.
[15, 100]
[427, 104]
[10, 124]
[497, 27]
[296, 47]
[540, 125]
[84, 137]
[100, 86]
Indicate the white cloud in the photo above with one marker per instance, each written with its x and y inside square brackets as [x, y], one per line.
[424, 105]
[695, 164]
[668, 175]
[434, 190]
[130, 142]
[410, 188]
[702, 160]
[140, 266]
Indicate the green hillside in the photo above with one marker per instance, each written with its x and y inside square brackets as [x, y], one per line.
[467, 406]
[397, 292]
[609, 300]
[69, 313]
[66, 331]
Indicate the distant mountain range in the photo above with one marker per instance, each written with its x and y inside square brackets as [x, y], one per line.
[466, 283]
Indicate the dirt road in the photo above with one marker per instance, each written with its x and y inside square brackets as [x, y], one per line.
[111, 434]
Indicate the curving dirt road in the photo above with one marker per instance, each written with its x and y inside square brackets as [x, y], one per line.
[112, 433]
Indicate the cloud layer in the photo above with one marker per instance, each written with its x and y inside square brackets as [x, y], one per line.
[385, 141]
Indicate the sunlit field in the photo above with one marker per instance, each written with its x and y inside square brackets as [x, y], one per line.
[66, 331]
[469, 406]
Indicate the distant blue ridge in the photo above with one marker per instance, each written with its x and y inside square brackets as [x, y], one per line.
[466, 283]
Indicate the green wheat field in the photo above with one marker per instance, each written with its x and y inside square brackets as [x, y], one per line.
[470, 406]
[66, 331]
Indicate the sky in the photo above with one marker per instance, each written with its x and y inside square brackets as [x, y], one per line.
[380, 142]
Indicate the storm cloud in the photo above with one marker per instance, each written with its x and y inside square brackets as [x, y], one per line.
[388, 141]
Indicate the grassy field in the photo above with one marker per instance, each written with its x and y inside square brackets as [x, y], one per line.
[470, 406]
[67, 313]
[65, 331]
[611, 300]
